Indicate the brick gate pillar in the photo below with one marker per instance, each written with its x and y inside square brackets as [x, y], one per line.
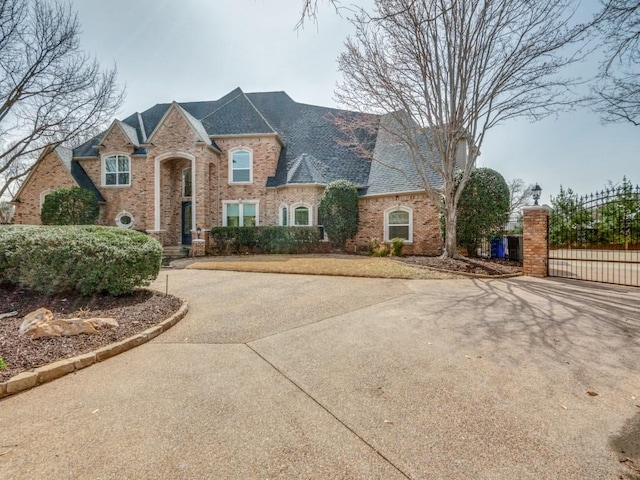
[535, 241]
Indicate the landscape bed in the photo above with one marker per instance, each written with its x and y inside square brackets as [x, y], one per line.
[135, 313]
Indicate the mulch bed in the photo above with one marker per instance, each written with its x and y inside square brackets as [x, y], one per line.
[477, 266]
[134, 313]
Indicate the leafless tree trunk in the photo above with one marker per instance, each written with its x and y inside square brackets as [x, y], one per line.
[51, 93]
[618, 88]
[448, 71]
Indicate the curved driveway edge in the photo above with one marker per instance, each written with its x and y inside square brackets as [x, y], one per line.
[38, 376]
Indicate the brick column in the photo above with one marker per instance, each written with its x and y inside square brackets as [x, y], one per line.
[197, 248]
[535, 247]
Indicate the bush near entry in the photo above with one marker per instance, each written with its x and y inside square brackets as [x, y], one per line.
[338, 212]
[86, 259]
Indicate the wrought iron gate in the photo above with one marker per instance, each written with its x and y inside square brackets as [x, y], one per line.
[596, 237]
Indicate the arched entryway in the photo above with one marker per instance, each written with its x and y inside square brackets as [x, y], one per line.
[174, 198]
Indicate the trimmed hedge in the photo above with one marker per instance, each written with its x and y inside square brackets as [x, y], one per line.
[86, 259]
[232, 240]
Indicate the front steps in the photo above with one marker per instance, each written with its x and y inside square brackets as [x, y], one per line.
[172, 252]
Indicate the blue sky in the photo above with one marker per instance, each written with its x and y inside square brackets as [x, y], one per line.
[201, 49]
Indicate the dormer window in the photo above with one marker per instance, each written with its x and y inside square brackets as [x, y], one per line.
[116, 170]
[241, 166]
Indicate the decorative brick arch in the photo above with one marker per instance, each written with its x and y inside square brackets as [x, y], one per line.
[157, 176]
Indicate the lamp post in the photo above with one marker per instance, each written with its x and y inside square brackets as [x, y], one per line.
[536, 190]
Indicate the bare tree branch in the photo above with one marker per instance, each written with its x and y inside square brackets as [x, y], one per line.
[519, 195]
[444, 72]
[310, 11]
[617, 90]
[51, 92]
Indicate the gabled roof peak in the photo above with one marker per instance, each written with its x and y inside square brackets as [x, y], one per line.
[195, 124]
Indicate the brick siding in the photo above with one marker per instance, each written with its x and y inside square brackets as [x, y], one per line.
[176, 141]
[535, 248]
[426, 228]
[49, 174]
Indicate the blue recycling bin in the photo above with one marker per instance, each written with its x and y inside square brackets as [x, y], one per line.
[497, 248]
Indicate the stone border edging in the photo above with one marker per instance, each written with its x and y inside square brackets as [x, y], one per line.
[38, 376]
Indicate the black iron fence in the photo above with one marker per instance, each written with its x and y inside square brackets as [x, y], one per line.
[596, 237]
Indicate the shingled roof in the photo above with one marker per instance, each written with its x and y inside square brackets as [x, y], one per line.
[315, 149]
[77, 172]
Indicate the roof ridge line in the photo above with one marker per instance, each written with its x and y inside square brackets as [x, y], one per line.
[191, 119]
[222, 106]
[259, 113]
[142, 128]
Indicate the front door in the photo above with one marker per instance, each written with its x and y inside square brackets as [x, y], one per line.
[186, 223]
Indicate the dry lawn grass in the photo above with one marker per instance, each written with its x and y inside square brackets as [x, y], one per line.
[339, 265]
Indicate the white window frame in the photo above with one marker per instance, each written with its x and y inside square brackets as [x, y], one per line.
[282, 218]
[104, 170]
[292, 214]
[124, 213]
[43, 195]
[225, 204]
[231, 153]
[397, 208]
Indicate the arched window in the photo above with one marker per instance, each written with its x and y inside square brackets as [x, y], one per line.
[398, 223]
[116, 170]
[241, 166]
[301, 215]
[43, 195]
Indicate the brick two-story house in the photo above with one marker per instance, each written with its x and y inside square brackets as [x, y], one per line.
[245, 159]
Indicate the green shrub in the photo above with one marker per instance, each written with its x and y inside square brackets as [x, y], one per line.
[381, 251]
[396, 246]
[483, 209]
[3, 364]
[338, 212]
[70, 206]
[233, 240]
[86, 259]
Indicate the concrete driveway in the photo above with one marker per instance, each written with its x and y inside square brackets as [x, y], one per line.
[288, 376]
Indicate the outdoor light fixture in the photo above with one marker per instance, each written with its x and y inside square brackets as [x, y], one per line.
[199, 230]
[536, 190]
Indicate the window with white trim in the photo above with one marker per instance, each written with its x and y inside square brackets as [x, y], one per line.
[398, 223]
[43, 195]
[284, 215]
[240, 214]
[241, 166]
[301, 215]
[116, 170]
[124, 219]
